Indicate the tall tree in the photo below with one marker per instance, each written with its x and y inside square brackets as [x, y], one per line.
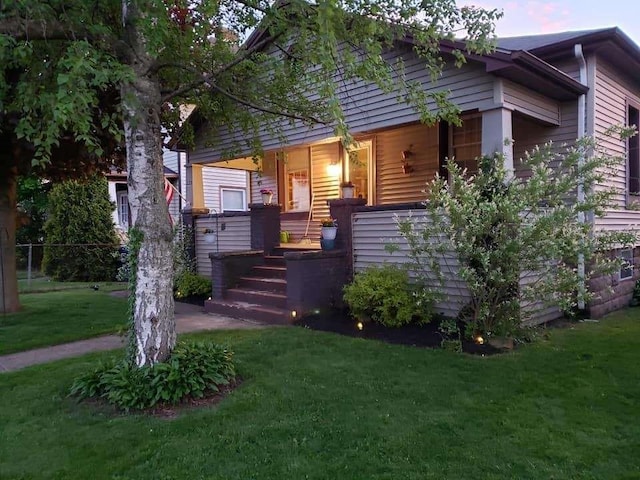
[246, 64]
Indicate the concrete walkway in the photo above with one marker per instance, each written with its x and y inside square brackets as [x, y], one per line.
[189, 318]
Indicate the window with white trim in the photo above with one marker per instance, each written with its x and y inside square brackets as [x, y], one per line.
[466, 143]
[123, 209]
[233, 199]
[633, 153]
[626, 269]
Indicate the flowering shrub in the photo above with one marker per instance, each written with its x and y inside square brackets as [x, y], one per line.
[266, 191]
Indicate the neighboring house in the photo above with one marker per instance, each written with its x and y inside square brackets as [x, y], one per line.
[222, 189]
[531, 89]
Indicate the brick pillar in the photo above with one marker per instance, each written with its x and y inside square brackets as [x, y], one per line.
[341, 210]
[265, 227]
[189, 215]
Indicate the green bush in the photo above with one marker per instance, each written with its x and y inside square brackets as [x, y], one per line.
[80, 240]
[193, 371]
[189, 284]
[385, 295]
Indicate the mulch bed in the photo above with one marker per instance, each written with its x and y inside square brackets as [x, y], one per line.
[423, 336]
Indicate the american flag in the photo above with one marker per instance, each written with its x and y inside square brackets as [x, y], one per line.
[168, 195]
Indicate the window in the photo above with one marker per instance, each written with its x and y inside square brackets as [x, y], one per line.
[466, 143]
[633, 119]
[233, 199]
[123, 210]
[626, 269]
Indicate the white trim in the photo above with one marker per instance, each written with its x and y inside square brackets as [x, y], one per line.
[233, 189]
[629, 264]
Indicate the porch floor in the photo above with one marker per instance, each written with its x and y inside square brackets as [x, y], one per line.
[311, 245]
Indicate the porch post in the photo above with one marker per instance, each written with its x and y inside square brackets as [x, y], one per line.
[341, 210]
[265, 227]
[497, 135]
[195, 189]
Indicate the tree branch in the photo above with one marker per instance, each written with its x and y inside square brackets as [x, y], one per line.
[246, 103]
[210, 78]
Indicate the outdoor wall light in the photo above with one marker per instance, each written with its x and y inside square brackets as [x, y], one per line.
[406, 155]
[334, 168]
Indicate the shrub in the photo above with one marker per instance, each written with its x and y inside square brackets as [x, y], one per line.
[385, 295]
[193, 371]
[79, 214]
[189, 284]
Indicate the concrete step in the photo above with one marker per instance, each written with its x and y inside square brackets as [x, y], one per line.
[257, 297]
[275, 285]
[268, 271]
[274, 260]
[248, 311]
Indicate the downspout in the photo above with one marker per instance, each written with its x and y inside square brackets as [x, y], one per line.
[582, 131]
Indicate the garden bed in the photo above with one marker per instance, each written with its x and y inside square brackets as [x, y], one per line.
[424, 336]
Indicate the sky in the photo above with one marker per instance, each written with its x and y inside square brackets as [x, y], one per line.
[529, 17]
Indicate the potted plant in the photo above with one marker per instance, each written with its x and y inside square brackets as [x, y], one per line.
[329, 228]
[209, 235]
[347, 189]
[267, 196]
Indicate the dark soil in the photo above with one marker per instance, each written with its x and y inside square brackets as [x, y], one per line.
[193, 300]
[423, 336]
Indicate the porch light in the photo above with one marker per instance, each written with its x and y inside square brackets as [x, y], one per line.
[333, 169]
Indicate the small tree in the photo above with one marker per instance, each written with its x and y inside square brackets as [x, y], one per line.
[81, 243]
[502, 228]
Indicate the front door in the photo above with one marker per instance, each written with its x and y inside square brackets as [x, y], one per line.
[360, 168]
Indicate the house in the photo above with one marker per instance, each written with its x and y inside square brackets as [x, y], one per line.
[531, 89]
[221, 189]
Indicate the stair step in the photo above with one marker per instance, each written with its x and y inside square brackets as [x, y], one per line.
[257, 297]
[276, 285]
[269, 271]
[248, 311]
[274, 260]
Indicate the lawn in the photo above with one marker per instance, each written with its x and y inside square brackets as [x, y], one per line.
[44, 284]
[321, 406]
[61, 316]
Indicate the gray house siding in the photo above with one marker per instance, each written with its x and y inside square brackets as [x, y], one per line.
[367, 108]
[394, 186]
[612, 92]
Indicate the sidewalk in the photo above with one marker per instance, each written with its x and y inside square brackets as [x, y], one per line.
[189, 318]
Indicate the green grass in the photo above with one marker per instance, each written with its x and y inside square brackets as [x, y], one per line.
[44, 284]
[58, 317]
[321, 406]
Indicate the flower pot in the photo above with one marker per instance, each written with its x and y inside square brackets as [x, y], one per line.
[347, 192]
[209, 238]
[329, 233]
[266, 198]
[326, 244]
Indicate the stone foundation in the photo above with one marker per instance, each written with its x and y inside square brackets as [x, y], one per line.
[611, 293]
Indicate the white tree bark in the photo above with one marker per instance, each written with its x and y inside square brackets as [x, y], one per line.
[154, 321]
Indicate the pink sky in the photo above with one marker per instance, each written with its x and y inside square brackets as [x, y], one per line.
[527, 17]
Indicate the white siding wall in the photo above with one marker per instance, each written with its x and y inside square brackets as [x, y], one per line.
[612, 91]
[235, 237]
[323, 185]
[521, 99]
[372, 230]
[213, 178]
[266, 179]
[394, 186]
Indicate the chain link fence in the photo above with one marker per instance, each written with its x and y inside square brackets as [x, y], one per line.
[31, 266]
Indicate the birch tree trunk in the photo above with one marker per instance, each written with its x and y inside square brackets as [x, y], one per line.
[154, 322]
[8, 280]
